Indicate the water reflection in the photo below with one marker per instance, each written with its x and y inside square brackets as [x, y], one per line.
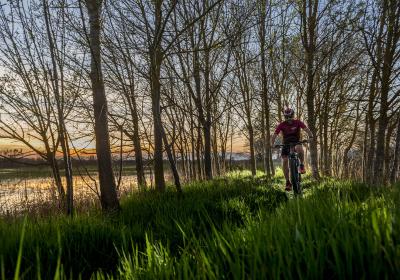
[18, 195]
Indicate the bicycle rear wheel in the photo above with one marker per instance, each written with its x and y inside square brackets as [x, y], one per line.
[295, 177]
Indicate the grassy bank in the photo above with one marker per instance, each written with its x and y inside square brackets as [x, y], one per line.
[237, 227]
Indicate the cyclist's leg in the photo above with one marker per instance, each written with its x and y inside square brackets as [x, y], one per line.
[285, 167]
[300, 152]
[285, 164]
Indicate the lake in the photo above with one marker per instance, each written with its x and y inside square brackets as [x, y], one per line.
[23, 188]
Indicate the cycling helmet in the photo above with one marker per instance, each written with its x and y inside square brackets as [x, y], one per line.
[288, 113]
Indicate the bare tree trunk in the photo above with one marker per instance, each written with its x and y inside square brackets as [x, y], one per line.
[215, 148]
[321, 143]
[198, 153]
[193, 142]
[309, 28]
[155, 68]
[207, 122]
[369, 165]
[392, 8]
[387, 154]
[182, 149]
[51, 159]
[396, 160]
[325, 155]
[265, 126]
[119, 52]
[253, 166]
[136, 138]
[109, 198]
[172, 163]
[223, 146]
[62, 131]
[231, 150]
[392, 38]
[207, 150]
[365, 150]
[345, 172]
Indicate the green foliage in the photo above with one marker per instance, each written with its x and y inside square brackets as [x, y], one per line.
[88, 243]
[331, 234]
[230, 228]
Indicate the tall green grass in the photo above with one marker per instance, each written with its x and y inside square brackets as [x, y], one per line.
[340, 231]
[93, 242]
[230, 228]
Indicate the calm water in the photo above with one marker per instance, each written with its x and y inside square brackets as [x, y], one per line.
[20, 194]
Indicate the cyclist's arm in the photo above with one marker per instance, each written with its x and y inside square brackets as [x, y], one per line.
[306, 129]
[309, 132]
[278, 129]
[273, 139]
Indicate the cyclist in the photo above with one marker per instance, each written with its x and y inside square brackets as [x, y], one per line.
[290, 129]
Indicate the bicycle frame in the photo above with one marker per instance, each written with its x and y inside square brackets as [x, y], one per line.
[294, 162]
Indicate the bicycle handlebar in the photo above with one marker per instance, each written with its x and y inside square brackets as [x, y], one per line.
[291, 144]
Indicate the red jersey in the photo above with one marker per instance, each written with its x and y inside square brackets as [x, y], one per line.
[290, 131]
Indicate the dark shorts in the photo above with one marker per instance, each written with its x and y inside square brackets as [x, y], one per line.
[286, 151]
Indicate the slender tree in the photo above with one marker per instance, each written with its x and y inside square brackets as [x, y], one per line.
[109, 199]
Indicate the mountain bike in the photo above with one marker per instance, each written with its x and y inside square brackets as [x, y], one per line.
[294, 163]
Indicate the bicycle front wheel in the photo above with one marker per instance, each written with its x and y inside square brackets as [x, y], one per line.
[295, 176]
